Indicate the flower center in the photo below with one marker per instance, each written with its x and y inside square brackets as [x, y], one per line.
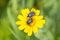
[31, 22]
[31, 14]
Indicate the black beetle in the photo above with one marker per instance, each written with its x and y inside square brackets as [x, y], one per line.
[29, 20]
[31, 14]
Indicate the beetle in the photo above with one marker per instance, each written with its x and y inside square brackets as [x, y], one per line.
[29, 21]
[31, 14]
[30, 17]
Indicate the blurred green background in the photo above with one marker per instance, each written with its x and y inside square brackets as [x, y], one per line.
[9, 10]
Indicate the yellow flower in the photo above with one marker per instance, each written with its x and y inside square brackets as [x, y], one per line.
[30, 21]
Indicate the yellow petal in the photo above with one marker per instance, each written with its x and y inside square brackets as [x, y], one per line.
[25, 12]
[42, 21]
[35, 29]
[30, 32]
[21, 27]
[33, 10]
[39, 21]
[37, 17]
[40, 17]
[40, 26]
[37, 12]
[20, 17]
[20, 22]
[26, 29]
